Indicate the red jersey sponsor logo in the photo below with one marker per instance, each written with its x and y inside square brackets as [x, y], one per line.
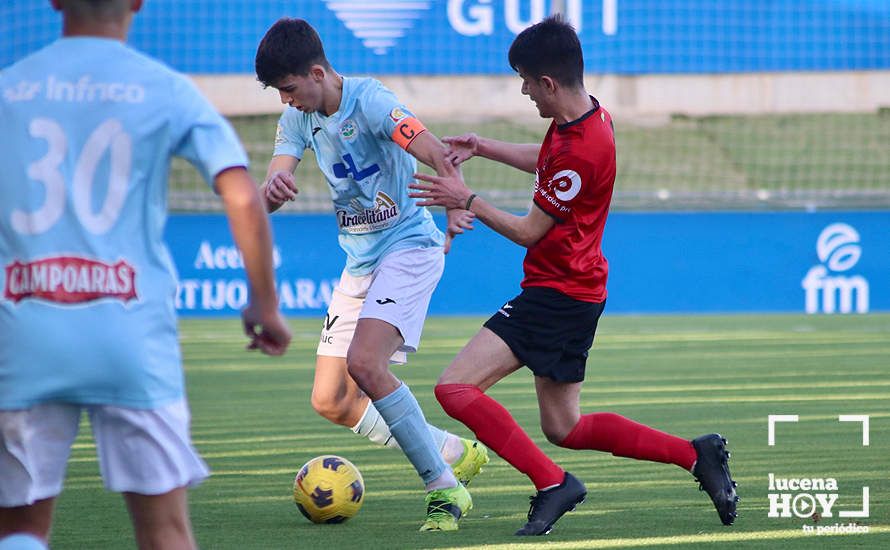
[555, 187]
[69, 280]
[566, 185]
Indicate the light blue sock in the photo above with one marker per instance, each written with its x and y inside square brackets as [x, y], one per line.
[402, 414]
[22, 541]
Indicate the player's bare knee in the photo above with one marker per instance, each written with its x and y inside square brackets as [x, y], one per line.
[324, 405]
[357, 368]
[555, 434]
[363, 367]
[332, 407]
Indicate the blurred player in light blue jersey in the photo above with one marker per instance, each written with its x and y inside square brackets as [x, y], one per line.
[87, 321]
[366, 143]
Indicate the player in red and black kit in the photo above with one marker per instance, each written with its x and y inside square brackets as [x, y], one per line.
[550, 326]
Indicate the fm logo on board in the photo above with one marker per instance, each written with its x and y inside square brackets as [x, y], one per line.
[828, 287]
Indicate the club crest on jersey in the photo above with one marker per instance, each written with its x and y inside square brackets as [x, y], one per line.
[358, 220]
[397, 114]
[348, 130]
[69, 280]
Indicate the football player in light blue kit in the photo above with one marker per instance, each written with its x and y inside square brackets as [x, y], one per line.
[87, 321]
[366, 143]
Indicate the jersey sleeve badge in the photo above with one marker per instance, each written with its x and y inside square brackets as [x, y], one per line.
[397, 114]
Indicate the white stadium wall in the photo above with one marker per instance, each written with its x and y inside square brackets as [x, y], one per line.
[448, 97]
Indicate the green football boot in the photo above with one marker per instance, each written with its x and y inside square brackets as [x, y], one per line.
[470, 463]
[445, 507]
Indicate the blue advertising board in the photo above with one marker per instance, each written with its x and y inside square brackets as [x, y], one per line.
[472, 36]
[829, 262]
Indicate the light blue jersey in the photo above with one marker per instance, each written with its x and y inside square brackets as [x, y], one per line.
[367, 172]
[86, 310]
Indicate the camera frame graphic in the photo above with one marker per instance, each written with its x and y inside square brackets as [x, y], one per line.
[803, 499]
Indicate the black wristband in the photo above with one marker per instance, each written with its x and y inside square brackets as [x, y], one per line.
[470, 201]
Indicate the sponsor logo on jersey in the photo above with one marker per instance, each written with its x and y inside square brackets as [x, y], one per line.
[82, 90]
[69, 280]
[552, 190]
[358, 220]
[566, 185]
[348, 168]
[24, 90]
[329, 322]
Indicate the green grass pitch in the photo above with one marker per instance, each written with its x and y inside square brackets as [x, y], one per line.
[253, 424]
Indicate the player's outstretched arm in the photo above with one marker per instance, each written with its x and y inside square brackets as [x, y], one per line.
[427, 148]
[263, 323]
[279, 185]
[450, 191]
[522, 156]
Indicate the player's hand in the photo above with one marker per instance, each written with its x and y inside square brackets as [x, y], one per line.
[461, 148]
[268, 332]
[280, 188]
[449, 190]
[459, 220]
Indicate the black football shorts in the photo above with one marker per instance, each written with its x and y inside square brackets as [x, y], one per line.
[549, 332]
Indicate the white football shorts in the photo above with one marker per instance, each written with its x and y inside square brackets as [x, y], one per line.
[144, 451]
[398, 291]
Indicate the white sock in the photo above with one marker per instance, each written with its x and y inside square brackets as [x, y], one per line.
[444, 481]
[452, 447]
[374, 428]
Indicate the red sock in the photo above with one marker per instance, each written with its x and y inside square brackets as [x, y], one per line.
[494, 426]
[622, 436]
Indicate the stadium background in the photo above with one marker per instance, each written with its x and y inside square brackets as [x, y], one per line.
[753, 141]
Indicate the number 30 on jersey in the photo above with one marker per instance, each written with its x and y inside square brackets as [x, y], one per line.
[109, 135]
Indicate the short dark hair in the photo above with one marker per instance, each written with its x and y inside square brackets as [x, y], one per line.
[96, 9]
[549, 48]
[290, 47]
